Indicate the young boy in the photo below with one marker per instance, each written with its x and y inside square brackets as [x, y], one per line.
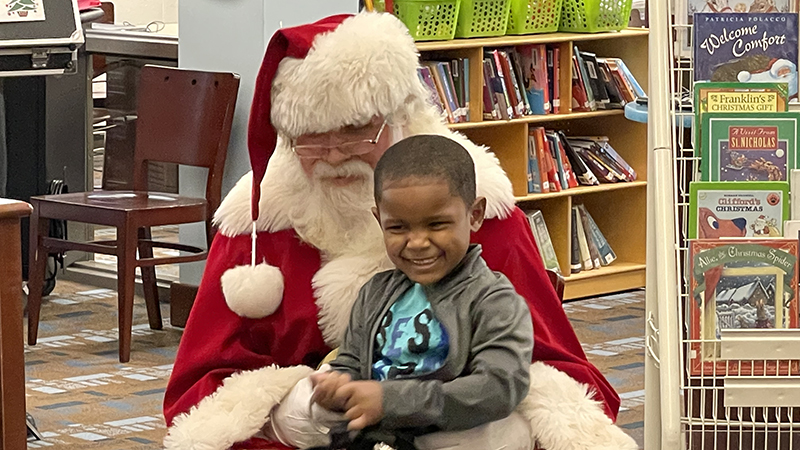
[440, 347]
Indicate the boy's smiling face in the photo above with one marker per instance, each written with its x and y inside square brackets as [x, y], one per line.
[426, 228]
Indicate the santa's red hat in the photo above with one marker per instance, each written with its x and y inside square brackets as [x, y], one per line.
[342, 70]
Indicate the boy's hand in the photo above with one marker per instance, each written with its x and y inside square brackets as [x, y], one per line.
[363, 403]
[325, 386]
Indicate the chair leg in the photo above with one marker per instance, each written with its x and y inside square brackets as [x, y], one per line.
[149, 281]
[37, 262]
[126, 279]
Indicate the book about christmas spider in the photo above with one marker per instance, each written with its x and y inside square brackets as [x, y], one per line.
[737, 209]
[752, 147]
[739, 284]
[746, 47]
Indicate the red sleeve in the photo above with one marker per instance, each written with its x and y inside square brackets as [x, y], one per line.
[217, 342]
[509, 248]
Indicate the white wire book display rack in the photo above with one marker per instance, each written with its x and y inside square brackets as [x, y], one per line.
[745, 392]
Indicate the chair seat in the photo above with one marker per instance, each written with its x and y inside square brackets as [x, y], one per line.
[124, 200]
[114, 208]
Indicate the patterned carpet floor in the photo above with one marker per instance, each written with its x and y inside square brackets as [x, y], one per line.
[81, 396]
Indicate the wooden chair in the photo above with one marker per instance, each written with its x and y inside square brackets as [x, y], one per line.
[557, 280]
[13, 432]
[184, 117]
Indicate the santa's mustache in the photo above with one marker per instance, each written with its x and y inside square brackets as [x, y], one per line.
[360, 169]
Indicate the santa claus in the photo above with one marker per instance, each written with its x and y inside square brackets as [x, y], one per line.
[297, 240]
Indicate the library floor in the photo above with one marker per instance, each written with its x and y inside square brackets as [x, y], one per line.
[82, 397]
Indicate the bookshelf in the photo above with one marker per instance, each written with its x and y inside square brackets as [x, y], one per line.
[618, 208]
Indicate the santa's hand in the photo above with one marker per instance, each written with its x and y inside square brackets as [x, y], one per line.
[363, 403]
[325, 386]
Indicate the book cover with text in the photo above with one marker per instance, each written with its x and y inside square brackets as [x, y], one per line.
[737, 209]
[744, 284]
[746, 47]
[751, 147]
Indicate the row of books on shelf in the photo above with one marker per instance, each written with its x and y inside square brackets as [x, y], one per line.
[589, 247]
[524, 80]
[602, 83]
[448, 85]
[521, 81]
[557, 162]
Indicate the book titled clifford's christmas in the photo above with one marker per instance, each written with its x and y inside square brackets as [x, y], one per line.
[746, 47]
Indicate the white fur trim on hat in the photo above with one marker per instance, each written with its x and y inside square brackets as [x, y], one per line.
[366, 67]
[253, 291]
[235, 412]
[564, 416]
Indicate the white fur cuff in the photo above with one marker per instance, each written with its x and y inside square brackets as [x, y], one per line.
[235, 412]
[564, 416]
[253, 291]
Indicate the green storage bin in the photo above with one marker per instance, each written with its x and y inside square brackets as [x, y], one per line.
[428, 20]
[534, 16]
[482, 18]
[592, 16]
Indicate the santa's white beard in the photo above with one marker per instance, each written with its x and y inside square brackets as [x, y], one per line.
[337, 220]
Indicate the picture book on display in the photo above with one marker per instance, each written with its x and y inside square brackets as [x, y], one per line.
[739, 284]
[752, 147]
[710, 96]
[739, 6]
[737, 209]
[746, 47]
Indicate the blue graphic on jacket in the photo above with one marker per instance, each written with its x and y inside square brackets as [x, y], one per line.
[410, 341]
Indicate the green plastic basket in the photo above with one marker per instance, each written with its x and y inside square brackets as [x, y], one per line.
[482, 18]
[534, 16]
[592, 16]
[428, 20]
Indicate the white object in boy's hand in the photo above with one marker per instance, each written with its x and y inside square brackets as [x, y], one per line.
[298, 422]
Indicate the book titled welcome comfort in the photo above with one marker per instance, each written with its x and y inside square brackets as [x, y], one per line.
[746, 47]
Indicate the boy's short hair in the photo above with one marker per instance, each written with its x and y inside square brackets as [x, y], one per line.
[428, 156]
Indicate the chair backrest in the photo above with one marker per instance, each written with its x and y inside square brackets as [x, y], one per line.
[185, 117]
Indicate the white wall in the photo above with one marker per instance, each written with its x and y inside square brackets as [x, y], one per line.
[141, 12]
[231, 35]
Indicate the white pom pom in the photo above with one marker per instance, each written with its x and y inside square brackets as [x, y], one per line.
[253, 291]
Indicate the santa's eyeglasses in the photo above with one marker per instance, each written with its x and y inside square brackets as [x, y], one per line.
[351, 148]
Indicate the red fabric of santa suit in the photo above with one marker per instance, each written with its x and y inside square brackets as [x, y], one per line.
[255, 330]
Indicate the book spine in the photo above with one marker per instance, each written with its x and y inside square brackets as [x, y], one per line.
[544, 242]
[575, 265]
[586, 257]
[465, 81]
[534, 173]
[585, 81]
[556, 78]
[590, 242]
[607, 255]
[507, 95]
[551, 80]
[637, 89]
[491, 110]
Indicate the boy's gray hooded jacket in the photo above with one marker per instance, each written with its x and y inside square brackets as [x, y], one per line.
[485, 374]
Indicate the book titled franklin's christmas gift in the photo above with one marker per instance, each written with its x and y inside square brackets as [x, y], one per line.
[745, 98]
[737, 209]
[751, 147]
[746, 47]
[740, 284]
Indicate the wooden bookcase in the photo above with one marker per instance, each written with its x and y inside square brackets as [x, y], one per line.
[620, 208]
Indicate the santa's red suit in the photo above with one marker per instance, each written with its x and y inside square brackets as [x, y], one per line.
[256, 329]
